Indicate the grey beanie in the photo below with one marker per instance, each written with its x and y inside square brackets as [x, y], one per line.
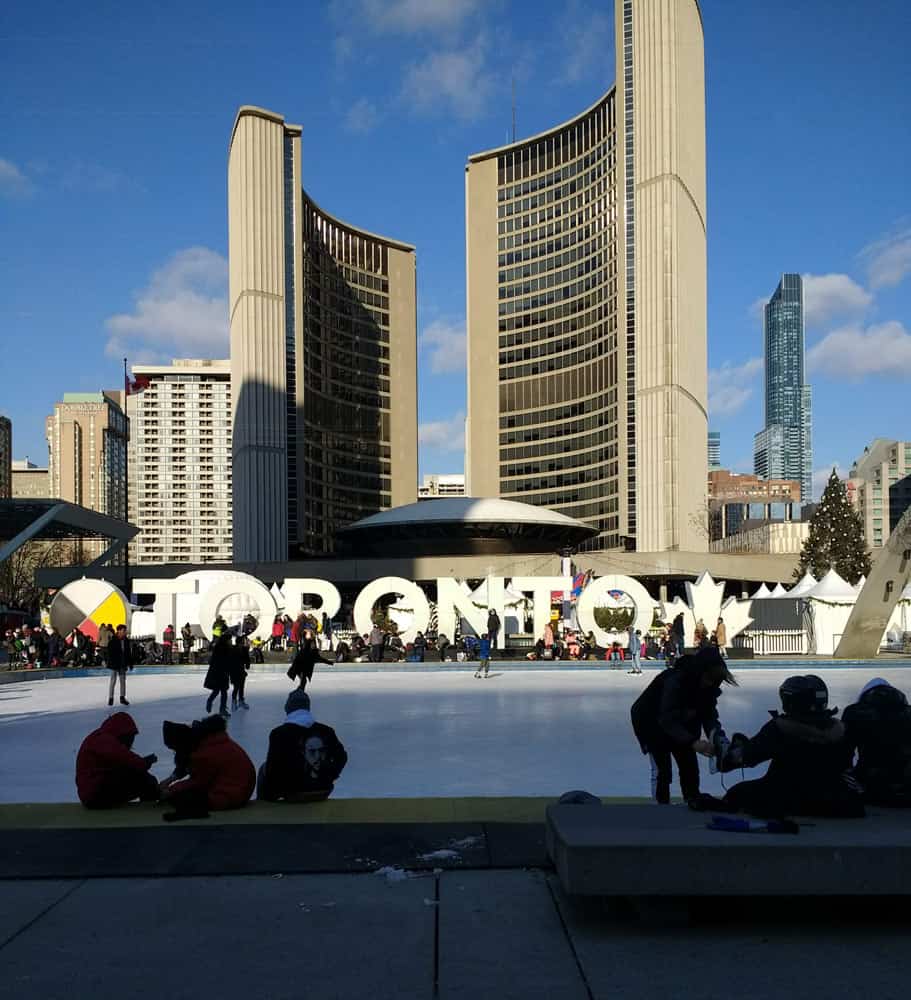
[297, 700]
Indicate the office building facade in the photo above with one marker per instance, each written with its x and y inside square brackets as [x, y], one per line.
[323, 356]
[180, 462]
[87, 451]
[738, 502]
[879, 488]
[586, 299]
[451, 485]
[714, 450]
[783, 448]
[6, 458]
[29, 482]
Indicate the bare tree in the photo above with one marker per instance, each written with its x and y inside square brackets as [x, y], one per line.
[17, 574]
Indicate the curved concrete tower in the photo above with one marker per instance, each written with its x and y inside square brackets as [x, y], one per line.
[586, 290]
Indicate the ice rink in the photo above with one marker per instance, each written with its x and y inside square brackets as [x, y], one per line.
[431, 733]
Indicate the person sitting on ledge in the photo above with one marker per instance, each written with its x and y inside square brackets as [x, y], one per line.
[671, 714]
[108, 773]
[810, 757]
[305, 757]
[878, 726]
[212, 772]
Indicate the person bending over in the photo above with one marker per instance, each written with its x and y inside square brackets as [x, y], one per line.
[809, 754]
[305, 756]
[304, 661]
[878, 726]
[108, 773]
[671, 715]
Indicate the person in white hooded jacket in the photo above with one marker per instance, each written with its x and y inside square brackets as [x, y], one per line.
[305, 757]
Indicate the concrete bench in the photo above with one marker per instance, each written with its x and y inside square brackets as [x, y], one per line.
[649, 850]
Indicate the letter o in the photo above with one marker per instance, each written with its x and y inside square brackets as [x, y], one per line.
[373, 591]
[641, 598]
[211, 600]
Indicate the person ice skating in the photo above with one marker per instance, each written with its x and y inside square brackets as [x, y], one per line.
[305, 757]
[493, 627]
[187, 639]
[634, 648]
[878, 726]
[120, 660]
[671, 714]
[239, 667]
[376, 641]
[167, 644]
[809, 754]
[304, 661]
[484, 657]
[218, 676]
[108, 772]
[219, 774]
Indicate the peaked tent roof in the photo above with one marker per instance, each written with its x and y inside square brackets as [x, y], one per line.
[780, 591]
[804, 586]
[834, 589]
[762, 592]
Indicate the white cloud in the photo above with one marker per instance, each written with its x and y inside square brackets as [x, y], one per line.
[83, 175]
[730, 386]
[832, 296]
[454, 81]
[182, 312]
[588, 40]
[444, 435]
[821, 477]
[13, 183]
[362, 117]
[446, 345]
[888, 260]
[854, 352]
[407, 17]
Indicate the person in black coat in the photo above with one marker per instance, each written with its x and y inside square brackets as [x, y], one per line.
[493, 627]
[305, 757]
[218, 676]
[120, 660]
[240, 667]
[671, 715]
[810, 758]
[878, 726]
[304, 661]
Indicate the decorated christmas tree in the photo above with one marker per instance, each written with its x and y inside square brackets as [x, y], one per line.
[836, 538]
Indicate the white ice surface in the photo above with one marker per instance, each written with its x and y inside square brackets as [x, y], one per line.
[407, 735]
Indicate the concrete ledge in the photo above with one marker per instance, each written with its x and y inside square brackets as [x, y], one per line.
[650, 850]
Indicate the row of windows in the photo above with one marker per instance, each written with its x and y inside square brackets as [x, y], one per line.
[559, 147]
[549, 248]
[560, 445]
[552, 364]
[554, 329]
[559, 387]
[570, 487]
[507, 193]
[557, 345]
[577, 408]
[344, 245]
[551, 280]
[586, 458]
[553, 194]
[552, 261]
[593, 204]
[574, 292]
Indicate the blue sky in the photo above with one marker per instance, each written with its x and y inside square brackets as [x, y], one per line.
[115, 119]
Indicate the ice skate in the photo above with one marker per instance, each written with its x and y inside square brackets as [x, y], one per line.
[123, 701]
[110, 702]
[225, 714]
[244, 705]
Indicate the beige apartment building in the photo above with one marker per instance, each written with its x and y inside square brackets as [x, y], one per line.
[879, 487]
[6, 458]
[586, 299]
[446, 485]
[29, 482]
[323, 355]
[87, 456]
[180, 462]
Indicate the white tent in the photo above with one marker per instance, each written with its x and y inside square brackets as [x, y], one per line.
[762, 593]
[830, 603]
[805, 585]
[859, 586]
[779, 591]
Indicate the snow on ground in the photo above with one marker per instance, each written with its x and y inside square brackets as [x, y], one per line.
[407, 735]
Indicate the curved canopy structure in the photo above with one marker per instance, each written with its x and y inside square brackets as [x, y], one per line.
[463, 526]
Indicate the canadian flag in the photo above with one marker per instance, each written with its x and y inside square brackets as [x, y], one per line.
[137, 384]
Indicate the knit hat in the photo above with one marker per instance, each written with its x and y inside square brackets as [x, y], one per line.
[297, 700]
[876, 682]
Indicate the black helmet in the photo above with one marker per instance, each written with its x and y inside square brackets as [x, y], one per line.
[805, 695]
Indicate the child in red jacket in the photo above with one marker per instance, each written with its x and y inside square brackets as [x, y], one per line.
[108, 773]
[220, 774]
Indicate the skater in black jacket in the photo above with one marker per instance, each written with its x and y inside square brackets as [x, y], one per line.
[671, 715]
[304, 661]
[240, 666]
[810, 756]
[878, 726]
[218, 676]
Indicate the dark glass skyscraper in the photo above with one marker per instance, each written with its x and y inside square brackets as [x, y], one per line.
[783, 448]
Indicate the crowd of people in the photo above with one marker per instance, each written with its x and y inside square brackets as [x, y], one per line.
[819, 765]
